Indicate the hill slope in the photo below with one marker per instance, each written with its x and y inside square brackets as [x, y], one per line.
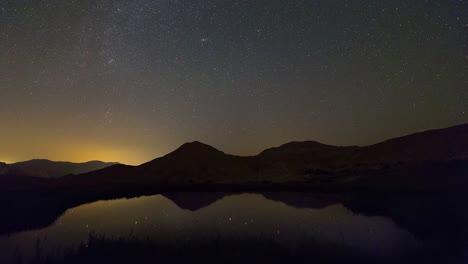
[198, 163]
[51, 169]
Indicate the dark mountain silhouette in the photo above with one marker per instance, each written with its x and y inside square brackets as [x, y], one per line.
[192, 163]
[423, 168]
[3, 168]
[296, 162]
[50, 169]
[200, 162]
[432, 145]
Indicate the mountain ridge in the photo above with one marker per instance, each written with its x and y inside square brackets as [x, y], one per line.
[199, 163]
[45, 168]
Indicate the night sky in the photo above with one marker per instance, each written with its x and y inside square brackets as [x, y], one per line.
[130, 81]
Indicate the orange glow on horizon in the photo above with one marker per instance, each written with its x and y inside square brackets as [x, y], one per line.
[85, 153]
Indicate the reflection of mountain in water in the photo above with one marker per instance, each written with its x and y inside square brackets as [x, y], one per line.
[235, 216]
[40, 212]
[410, 211]
[197, 200]
[438, 220]
[194, 200]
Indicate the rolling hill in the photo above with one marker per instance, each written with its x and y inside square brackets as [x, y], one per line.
[50, 169]
[295, 162]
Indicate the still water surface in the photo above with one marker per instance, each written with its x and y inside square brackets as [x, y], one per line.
[232, 216]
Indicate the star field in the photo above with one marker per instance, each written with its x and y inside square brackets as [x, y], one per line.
[130, 81]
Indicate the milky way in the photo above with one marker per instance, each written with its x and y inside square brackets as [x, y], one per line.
[132, 80]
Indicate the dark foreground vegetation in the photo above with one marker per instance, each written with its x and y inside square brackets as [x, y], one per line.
[99, 249]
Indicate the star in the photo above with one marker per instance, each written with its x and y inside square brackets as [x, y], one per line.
[207, 70]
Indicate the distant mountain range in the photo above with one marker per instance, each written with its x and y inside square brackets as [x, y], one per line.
[308, 161]
[50, 169]
[198, 163]
[401, 172]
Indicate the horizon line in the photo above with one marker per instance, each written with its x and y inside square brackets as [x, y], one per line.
[194, 141]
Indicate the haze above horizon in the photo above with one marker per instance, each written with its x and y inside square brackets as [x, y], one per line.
[203, 144]
[131, 81]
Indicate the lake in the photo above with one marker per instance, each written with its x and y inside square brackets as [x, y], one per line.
[290, 220]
